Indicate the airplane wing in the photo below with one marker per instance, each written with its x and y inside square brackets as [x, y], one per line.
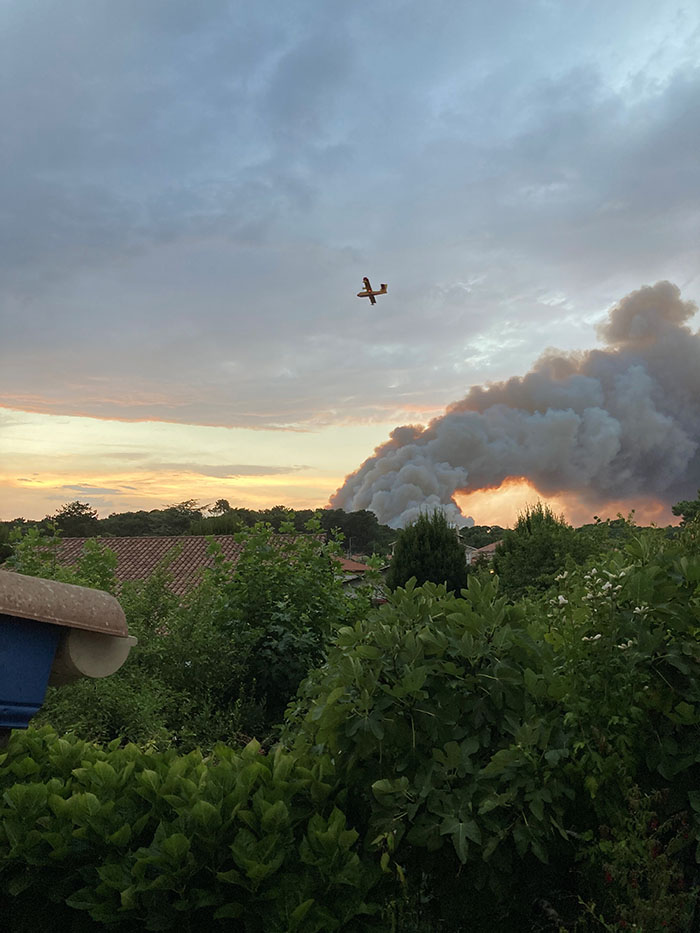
[368, 293]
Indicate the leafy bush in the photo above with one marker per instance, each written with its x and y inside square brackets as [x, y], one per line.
[480, 733]
[536, 549]
[219, 664]
[528, 765]
[35, 553]
[132, 840]
[627, 674]
[437, 716]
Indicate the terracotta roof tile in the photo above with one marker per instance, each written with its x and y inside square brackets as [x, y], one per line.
[137, 558]
[352, 566]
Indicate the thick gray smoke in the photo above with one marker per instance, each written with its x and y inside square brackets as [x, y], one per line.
[604, 424]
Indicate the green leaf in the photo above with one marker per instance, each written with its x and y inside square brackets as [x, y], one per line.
[20, 883]
[230, 877]
[537, 807]
[275, 817]
[176, 846]
[299, 913]
[206, 815]
[127, 898]
[460, 832]
[121, 837]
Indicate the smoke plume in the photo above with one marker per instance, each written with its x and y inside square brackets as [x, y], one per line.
[603, 424]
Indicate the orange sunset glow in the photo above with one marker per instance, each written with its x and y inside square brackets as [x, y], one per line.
[501, 505]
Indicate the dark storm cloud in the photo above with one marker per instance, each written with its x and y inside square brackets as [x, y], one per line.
[192, 193]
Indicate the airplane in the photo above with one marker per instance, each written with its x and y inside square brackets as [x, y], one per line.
[368, 293]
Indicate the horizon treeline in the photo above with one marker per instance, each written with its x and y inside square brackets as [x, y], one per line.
[361, 530]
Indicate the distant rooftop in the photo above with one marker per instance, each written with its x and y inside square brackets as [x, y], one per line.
[137, 558]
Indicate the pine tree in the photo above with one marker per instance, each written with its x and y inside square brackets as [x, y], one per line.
[429, 550]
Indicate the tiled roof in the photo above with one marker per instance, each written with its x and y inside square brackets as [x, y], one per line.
[137, 558]
[352, 566]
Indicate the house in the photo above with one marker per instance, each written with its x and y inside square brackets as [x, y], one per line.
[138, 557]
[469, 552]
[483, 553]
[353, 572]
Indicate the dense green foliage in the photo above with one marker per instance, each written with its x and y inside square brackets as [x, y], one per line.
[481, 535]
[433, 712]
[76, 520]
[223, 661]
[536, 550]
[474, 732]
[130, 840]
[79, 520]
[688, 509]
[469, 762]
[360, 530]
[430, 551]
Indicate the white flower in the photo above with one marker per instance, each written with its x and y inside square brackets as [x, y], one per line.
[592, 637]
[563, 601]
[606, 586]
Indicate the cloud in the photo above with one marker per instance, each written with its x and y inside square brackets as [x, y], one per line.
[601, 425]
[224, 471]
[87, 489]
[192, 194]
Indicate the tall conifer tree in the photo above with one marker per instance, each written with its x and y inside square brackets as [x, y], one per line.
[430, 550]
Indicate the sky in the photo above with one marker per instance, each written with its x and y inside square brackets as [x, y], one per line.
[190, 195]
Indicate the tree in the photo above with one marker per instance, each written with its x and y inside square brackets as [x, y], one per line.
[535, 550]
[128, 524]
[688, 509]
[76, 520]
[362, 531]
[429, 550]
[220, 507]
[481, 535]
[176, 519]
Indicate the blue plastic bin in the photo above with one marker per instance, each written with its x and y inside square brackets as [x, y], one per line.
[27, 651]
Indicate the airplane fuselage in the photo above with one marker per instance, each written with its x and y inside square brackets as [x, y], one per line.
[369, 292]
